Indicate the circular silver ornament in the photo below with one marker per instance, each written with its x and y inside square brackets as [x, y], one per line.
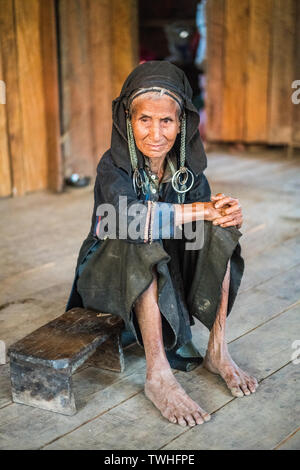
[176, 180]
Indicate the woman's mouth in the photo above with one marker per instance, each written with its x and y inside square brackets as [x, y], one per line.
[155, 146]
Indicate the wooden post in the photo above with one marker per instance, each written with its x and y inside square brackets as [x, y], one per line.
[282, 72]
[13, 102]
[296, 76]
[258, 66]
[101, 79]
[76, 95]
[215, 11]
[124, 41]
[5, 173]
[31, 89]
[236, 49]
[51, 93]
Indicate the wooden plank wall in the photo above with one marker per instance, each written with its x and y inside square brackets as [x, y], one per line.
[236, 13]
[98, 43]
[30, 76]
[101, 68]
[282, 71]
[30, 126]
[125, 46]
[215, 11]
[253, 59]
[296, 108]
[14, 135]
[257, 70]
[51, 94]
[5, 180]
[75, 82]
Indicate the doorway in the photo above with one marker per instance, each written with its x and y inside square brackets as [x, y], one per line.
[175, 30]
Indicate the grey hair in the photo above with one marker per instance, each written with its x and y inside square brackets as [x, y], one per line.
[154, 94]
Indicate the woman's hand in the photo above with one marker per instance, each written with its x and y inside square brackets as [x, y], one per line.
[221, 210]
[231, 211]
[211, 213]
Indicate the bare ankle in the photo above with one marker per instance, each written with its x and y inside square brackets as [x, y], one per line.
[158, 370]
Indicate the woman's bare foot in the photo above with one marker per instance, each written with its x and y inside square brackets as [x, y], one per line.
[168, 396]
[239, 382]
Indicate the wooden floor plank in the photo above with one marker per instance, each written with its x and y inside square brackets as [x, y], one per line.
[262, 352]
[255, 307]
[40, 253]
[263, 302]
[271, 263]
[290, 443]
[48, 226]
[44, 276]
[22, 317]
[258, 422]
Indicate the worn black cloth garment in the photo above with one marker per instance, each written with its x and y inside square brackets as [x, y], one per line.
[114, 268]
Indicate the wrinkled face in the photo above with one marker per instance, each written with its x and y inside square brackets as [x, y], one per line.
[155, 124]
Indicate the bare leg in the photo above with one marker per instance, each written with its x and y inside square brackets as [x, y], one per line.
[217, 357]
[161, 387]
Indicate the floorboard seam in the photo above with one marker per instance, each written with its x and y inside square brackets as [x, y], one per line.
[132, 396]
[256, 254]
[269, 279]
[286, 439]
[89, 420]
[6, 405]
[266, 321]
[223, 406]
[135, 394]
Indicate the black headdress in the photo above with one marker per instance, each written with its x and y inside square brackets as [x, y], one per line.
[161, 74]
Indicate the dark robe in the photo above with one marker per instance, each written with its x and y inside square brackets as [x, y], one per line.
[113, 271]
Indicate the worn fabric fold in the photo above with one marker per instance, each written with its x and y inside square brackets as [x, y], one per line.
[189, 281]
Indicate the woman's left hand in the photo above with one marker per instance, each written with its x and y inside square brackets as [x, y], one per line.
[231, 209]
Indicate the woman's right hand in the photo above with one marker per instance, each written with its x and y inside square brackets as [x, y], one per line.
[211, 213]
[185, 213]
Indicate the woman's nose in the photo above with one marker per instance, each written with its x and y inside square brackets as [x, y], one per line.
[155, 133]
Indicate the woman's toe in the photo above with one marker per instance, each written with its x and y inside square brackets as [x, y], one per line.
[254, 381]
[206, 416]
[252, 387]
[245, 389]
[172, 419]
[181, 420]
[198, 418]
[236, 391]
[190, 420]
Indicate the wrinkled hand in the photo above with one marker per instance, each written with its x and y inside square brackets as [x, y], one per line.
[211, 213]
[231, 211]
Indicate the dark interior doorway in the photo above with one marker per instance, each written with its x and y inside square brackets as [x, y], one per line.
[175, 30]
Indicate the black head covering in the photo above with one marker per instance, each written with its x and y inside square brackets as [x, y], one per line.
[165, 75]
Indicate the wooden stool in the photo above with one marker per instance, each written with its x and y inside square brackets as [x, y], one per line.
[42, 363]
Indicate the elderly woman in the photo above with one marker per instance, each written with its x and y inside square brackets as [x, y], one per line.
[161, 250]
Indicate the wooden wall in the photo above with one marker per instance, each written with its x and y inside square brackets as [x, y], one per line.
[63, 62]
[29, 131]
[98, 44]
[253, 58]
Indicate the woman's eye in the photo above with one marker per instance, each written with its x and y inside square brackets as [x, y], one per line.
[167, 120]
